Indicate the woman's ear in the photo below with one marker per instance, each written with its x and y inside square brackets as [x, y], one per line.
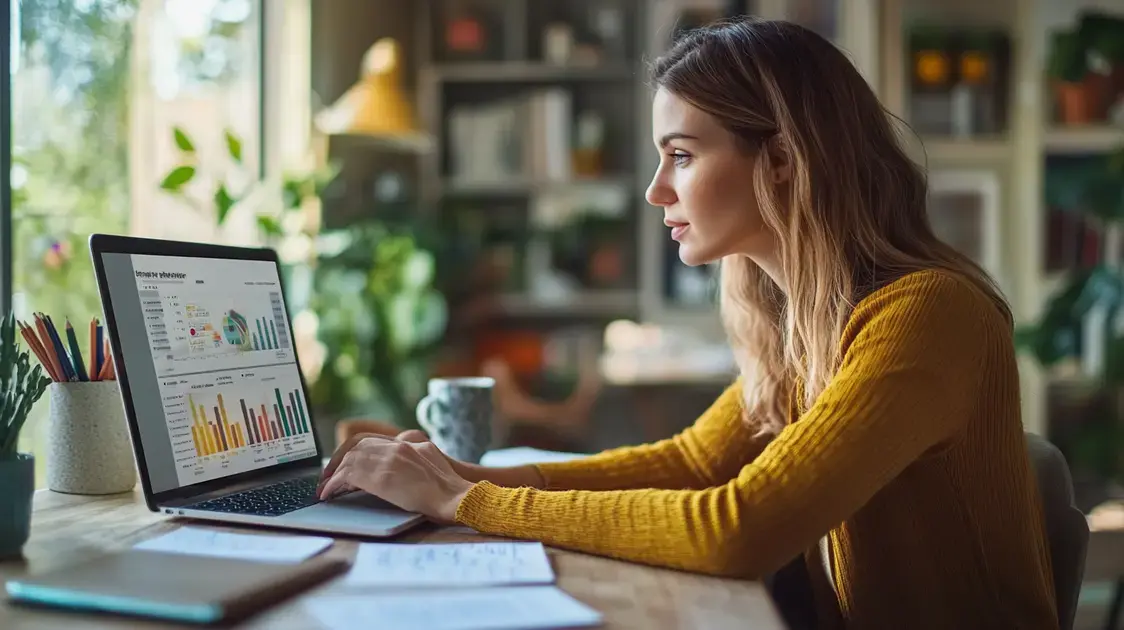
[780, 159]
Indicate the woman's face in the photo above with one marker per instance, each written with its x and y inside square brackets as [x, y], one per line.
[704, 184]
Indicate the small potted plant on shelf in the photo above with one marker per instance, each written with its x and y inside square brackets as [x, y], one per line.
[21, 385]
[1079, 94]
[1105, 35]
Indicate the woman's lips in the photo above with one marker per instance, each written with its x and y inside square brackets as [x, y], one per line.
[677, 228]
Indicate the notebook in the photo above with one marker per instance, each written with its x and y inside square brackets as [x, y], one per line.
[189, 589]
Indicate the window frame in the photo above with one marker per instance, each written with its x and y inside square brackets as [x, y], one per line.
[6, 210]
[6, 159]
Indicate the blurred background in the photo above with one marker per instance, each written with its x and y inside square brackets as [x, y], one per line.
[456, 187]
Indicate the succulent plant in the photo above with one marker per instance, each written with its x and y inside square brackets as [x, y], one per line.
[21, 385]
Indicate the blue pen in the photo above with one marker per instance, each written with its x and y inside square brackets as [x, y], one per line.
[64, 359]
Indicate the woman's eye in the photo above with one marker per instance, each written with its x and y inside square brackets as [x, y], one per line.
[679, 159]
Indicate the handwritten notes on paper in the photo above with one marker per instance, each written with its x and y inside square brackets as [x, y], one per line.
[264, 548]
[523, 608]
[456, 565]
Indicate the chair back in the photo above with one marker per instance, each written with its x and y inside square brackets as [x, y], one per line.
[1067, 530]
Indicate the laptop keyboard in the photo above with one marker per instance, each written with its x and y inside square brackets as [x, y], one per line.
[273, 500]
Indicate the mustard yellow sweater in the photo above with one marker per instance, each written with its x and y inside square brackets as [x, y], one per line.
[912, 463]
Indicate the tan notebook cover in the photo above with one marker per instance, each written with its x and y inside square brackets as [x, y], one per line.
[173, 586]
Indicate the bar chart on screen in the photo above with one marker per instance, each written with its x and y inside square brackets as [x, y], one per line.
[221, 423]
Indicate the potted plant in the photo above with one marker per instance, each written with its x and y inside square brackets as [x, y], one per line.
[1080, 95]
[381, 317]
[1105, 34]
[21, 385]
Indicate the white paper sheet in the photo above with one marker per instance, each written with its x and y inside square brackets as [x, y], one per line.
[520, 455]
[458, 565]
[502, 608]
[265, 548]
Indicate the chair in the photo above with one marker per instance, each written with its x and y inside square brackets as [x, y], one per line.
[1067, 530]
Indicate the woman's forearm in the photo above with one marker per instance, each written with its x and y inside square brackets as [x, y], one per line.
[526, 476]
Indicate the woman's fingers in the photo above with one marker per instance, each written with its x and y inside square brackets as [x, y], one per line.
[344, 449]
[413, 435]
[334, 484]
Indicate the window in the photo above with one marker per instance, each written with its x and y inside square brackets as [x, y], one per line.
[97, 87]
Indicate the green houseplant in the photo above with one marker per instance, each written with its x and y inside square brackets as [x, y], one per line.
[381, 318]
[1078, 93]
[21, 385]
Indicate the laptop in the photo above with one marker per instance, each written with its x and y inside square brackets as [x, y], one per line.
[213, 393]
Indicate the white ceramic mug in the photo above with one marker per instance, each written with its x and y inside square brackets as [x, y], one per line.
[88, 445]
[457, 415]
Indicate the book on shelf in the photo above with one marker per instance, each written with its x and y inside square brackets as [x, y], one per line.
[525, 138]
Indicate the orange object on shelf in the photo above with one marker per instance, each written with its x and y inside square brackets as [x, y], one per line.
[522, 350]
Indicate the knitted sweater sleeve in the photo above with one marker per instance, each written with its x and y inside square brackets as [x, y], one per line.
[912, 357]
[708, 453]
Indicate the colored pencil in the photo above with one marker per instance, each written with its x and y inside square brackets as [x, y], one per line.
[60, 349]
[102, 357]
[76, 352]
[49, 347]
[37, 348]
[110, 370]
[92, 358]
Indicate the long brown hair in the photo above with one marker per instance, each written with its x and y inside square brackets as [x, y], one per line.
[852, 218]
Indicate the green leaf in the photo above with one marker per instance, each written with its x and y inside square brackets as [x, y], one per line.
[183, 141]
[234, 146]
[178, 178]
[270, 226]
[418, 269]
[223, 203]
[291, 193]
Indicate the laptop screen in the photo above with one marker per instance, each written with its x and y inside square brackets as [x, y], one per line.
[212, 373]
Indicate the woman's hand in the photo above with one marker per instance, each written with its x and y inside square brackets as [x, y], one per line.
[408, 471]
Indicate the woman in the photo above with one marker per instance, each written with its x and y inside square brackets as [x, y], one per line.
[875, 427]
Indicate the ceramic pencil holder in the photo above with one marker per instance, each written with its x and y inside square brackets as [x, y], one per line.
[88, 450]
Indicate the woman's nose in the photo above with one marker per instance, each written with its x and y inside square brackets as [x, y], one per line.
[659, 193]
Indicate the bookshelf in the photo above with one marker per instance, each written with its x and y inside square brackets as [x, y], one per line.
[531, 104]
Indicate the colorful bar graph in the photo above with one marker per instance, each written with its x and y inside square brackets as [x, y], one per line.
[280, 420]
[265, 421]
[199, 450]
[257, 427]
[273, 334]
[227, 429]
[300, 409]
[221, 430]
[246, 422]
[197, 437]
[279, 411]
[212, 430]
[257, 346]
[261, 336]
[292, 414]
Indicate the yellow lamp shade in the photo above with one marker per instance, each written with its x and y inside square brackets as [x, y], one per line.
[375, 105]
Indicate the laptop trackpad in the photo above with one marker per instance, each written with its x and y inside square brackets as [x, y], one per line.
[358, 508]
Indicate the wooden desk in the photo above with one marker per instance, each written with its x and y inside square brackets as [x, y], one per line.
[67, 528]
